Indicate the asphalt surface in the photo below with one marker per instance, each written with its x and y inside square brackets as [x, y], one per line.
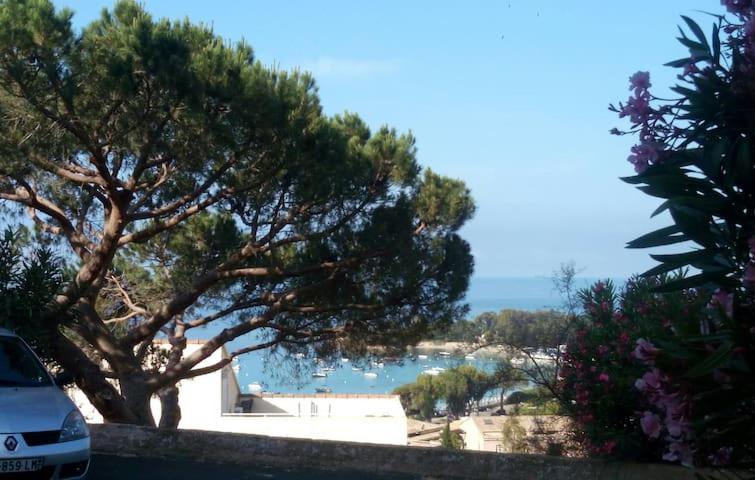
[108, 467]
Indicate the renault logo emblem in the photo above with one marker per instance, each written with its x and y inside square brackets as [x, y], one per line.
[11, 443]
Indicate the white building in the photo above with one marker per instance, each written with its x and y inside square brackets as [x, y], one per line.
[215, 402]
[485, 433]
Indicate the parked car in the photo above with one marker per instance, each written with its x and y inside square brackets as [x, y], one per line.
[42, 433]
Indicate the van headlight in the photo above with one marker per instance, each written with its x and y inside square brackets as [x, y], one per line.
[74, 427]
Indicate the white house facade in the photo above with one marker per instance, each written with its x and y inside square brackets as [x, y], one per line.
[215, 402]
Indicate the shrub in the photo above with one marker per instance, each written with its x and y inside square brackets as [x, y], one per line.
[696, 153]
[28, 280]
[599, 368]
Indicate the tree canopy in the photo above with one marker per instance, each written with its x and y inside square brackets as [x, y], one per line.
[459, 387]
[520, 328]
[189, 184]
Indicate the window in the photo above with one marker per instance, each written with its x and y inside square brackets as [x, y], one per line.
[19, 367]
[313, 409]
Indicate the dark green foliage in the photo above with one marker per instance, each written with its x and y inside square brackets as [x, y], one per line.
[192, 184]
[704, 172]
[520, 328]
[28, 280]
[459, 387]
[450, 439]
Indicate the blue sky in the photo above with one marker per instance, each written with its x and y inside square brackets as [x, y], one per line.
[509, 96]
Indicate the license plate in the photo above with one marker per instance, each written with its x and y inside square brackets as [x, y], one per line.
[21, 465]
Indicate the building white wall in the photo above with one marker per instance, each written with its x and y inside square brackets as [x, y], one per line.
[207, 403]
[388, 431]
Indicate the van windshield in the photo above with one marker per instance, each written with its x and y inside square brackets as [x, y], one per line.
[19, 367]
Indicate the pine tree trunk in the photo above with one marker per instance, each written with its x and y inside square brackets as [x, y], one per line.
[137, 397]
[170, 414]
[90, 380]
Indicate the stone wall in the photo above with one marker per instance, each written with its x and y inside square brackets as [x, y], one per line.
[326, 455]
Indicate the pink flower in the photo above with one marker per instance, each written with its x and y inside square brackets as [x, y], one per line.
[603, 377]
[602, 349]
[637, 109]
[690, 69]
[738, 7]
[722, 456]
[650, 381]
[645, 351]
[676, 426]
[678, 451]
[651, 424]
[639, 81]
[724, 300]
[608, 446]
[643, 155]
[749, 275]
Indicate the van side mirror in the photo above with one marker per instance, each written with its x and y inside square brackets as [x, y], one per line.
[62, 379]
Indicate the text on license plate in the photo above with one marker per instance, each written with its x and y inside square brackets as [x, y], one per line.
[21, 465]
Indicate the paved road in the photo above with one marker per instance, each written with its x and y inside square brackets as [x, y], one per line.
[108, 467]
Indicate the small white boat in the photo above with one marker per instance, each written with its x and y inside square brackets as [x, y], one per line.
[299, 355]
[370, 375]
[344, 360]
[434, 371]
[469, 357]
[319, 374]
[444, 354]
[323, 390]
[422, 357]
[357, 369]
[255, 387]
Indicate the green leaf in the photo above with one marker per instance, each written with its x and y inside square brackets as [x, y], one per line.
[678, 63]
[693, 281]
[716, 359]
[677, 261]
[697, 31]
[684, 258]
[710, 163]
[657, 238]
[694, 224]
[716, 45]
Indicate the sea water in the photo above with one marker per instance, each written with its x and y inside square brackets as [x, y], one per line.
[277, 374]
[284, 374]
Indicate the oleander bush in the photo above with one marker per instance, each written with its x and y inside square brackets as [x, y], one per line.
[687, 392]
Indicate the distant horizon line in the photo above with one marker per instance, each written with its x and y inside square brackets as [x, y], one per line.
[491, 277]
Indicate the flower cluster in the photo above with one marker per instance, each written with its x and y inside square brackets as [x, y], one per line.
[598, 371]
[748, 279]
[644, 118]
[695, 153]
[672, 406]
[739, 7]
